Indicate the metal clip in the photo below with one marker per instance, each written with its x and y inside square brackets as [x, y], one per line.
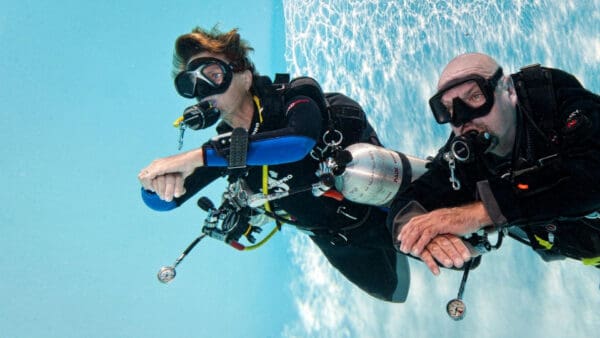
[333, 142]
[317, 153]
[340, 210]
[338, 239]
[332, 139]
[449, 157]
[181, 132]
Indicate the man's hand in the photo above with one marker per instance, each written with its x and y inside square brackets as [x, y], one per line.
[449, 250]
[166, 176]
[420, 230]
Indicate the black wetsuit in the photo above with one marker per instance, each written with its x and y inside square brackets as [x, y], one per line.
[556, 194]
[352, 236]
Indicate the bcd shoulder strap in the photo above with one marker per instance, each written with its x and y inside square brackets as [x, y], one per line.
[285, 89]
[337, 109]
[308, 86]
[339, 112]
[536, 93]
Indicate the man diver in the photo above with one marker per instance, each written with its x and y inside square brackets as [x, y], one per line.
[214, 68]
[524, 154]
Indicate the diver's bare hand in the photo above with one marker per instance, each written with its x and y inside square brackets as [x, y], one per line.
[168, 186]
[166, 176]
[448, 250]
[420, 230]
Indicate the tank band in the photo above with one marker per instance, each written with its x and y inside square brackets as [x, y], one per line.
[406, 172]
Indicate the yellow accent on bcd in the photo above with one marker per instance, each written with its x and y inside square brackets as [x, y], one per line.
[547, 245]
[591, 261]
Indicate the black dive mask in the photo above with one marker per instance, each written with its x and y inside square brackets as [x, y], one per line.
[204, 76]
[476, 101]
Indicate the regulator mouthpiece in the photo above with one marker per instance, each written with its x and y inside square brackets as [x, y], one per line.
[196, 117]
[201, 116]
[466, 148]
[166, 274]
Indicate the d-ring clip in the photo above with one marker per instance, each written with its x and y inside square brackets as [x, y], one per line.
[336, 138]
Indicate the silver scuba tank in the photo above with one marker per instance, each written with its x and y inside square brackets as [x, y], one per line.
[375, 174]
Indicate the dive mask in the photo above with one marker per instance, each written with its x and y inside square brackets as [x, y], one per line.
[476, 99]
[204, 76]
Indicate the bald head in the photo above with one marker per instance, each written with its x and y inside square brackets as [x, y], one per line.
[468, 64]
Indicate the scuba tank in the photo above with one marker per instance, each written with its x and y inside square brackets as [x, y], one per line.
[373, 175]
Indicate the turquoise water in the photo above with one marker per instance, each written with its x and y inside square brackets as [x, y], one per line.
[87, 100]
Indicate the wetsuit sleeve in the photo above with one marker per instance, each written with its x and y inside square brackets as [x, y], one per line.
[292, 142]
[431, 191]
[301, 129]
[571, 186]
[199, 179]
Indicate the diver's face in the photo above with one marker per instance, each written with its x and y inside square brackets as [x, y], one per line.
[230, 100]
[499, 122]
[464, 98]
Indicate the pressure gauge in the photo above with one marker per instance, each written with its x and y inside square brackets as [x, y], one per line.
[166, 274]
[456, 309]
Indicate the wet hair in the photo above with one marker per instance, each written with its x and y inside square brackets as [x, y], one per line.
[214, 41]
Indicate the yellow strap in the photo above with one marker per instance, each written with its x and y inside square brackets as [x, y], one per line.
[248, 231]
[265, 186]
[265, 168]
[586, 261]
[263, 241]
[265, 189]
[547, 245]
[259, 107]
[591, 261]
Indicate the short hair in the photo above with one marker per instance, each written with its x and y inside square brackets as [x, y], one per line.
[214, 41]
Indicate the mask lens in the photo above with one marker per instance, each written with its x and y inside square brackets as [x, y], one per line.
[204, 77]
[469, 101]
[213, 74]
[463, 100]
[440, 112]
[468, 92]
[459, 98]
[185, 83]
